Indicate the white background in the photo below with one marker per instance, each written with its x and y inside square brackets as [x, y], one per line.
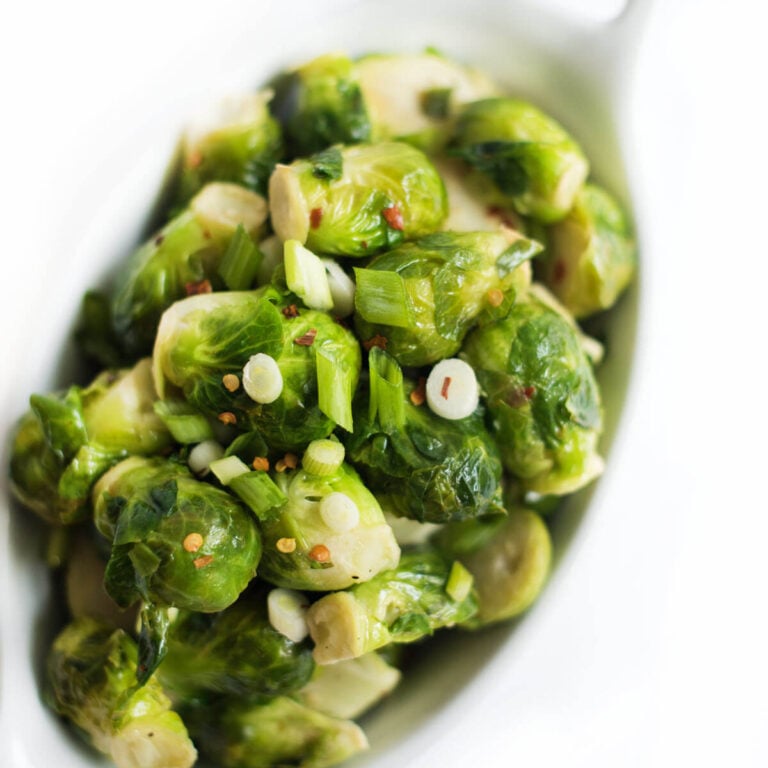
[651, 649]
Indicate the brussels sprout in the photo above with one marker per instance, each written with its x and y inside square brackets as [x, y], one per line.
[92, 682]
[521, 156]
[420, 465]
[278, 732]
[413, 97]
[542, 397]
[357, 201]
[240, 143]
[176, 541]
[235, 652]
[330, 534]
[204, 338]
[320, 104]
[351, 687]
[182, 258]
[66, 441]
[590, 256]
[401, 605]
[509, 558]
[442, 283]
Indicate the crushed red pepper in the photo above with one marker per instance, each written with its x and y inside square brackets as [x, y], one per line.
[290, 311]
[315, 217]
[320, 553]
[308, 339]
[203, 286]
[419, 395]
[394, 217]
[201, 562]
[446, 386]
[377, 341]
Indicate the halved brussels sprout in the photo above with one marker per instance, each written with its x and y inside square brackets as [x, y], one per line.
[67, 441]
[413, 97]
[330, 534]
[401, 605]
[358, 200]
[91, 676]
[203, 339]
[420, 465]
[240, 143]
[521, 156]
[590, 255]
[176, 541]
[181, 259]
[320, 104]
[542, 397]
[424, 296]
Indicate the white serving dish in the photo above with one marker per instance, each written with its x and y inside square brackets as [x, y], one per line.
[113, 145]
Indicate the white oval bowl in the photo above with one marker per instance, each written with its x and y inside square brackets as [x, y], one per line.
[88, 210]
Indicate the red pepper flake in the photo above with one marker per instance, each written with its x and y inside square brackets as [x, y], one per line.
[446, 386]
[520, 396]
[558, 271]
[315, 217]
[203, 286]
[194, 159]
[308, 339]
[201, 562]
[495, 297]
[192, 542]
[260, 463]
[504, 215]
[364, 243]
[320, 553]
[419, 395]
[290, 311]
[377, 341]
[228, 418]
[393, 216]
[207, 235]
[529, 392]
[159, 239]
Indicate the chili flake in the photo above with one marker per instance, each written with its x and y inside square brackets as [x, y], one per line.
[495, 297]
[260, 463]
[201, 562]
[286, 545]
[320, 553]
[393, 216]
[419, 395]
[307, 339]
[203, 286]
[377, 341]
[159, 239]
[315, 217]
[290, 311]
[446, 385]
[192, 542]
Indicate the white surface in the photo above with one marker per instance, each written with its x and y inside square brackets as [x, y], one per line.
[649, 648]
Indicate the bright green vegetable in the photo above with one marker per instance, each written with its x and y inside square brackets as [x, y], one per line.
[320, 104]
[92, 681]
[420, 465]
[590, 256]
[240, 143]
[66, 441]
[521, 156]
[335, 531]
[447, 280]
[203, 338]
[176, 541]
[509, 558]
[235, 652]
[358, 200]
[414, 97]
[401, 605]
[180, 258]
[277, 732]
[542, 397]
